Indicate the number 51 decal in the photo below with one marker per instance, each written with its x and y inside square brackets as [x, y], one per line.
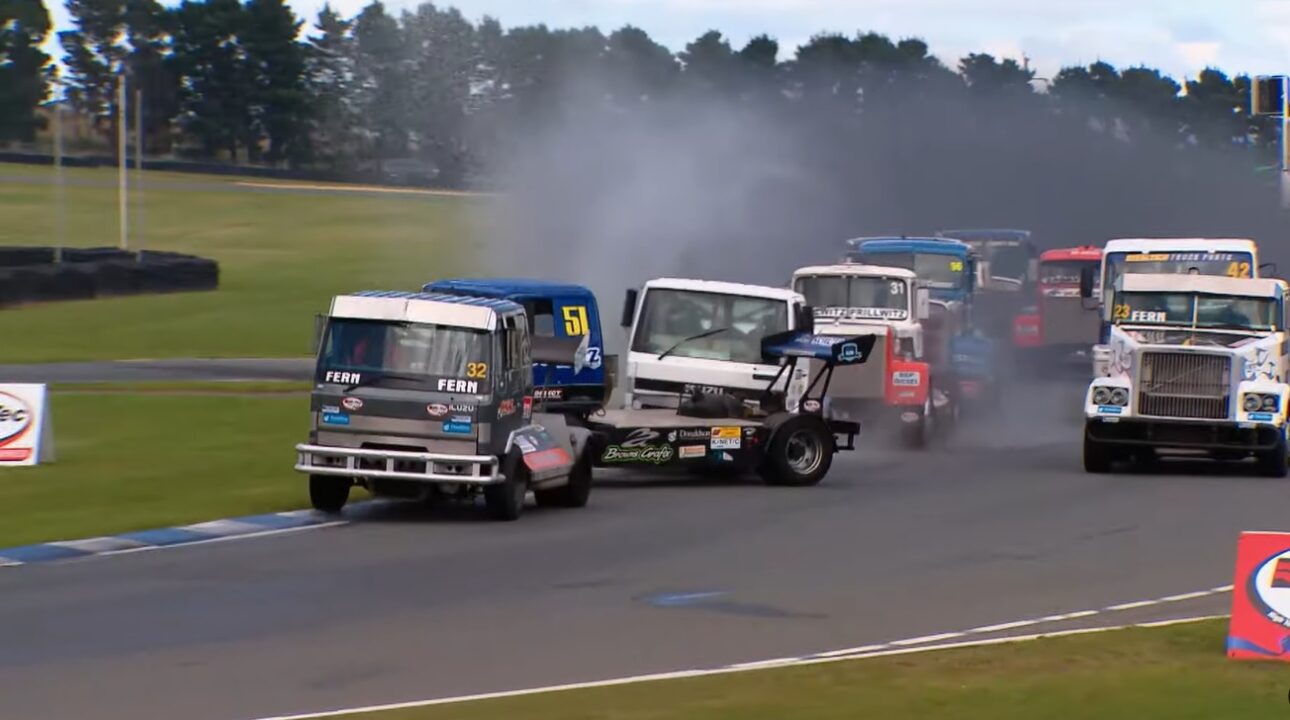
[575, 320]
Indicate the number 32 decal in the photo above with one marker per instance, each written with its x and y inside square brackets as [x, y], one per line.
[477, 370]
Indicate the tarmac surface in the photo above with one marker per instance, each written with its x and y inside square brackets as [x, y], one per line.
[656, 574]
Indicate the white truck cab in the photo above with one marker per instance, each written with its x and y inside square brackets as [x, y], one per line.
[1195, 363]
[705, 336]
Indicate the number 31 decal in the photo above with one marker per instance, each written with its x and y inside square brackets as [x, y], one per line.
[477, 370]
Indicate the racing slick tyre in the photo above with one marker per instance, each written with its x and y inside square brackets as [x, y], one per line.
[505, 500]
[800, 453]
[1097, 457]
[574, 494]
[1272, 463]
[328, 493]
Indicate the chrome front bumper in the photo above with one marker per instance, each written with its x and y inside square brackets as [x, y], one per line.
[393, 465]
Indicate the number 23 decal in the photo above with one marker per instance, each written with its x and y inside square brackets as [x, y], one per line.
[477, 370]
[1120, 312]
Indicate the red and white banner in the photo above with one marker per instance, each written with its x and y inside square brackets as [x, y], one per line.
[1260, 624]
[26, 435]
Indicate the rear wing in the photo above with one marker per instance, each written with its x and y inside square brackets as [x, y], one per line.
[834, 350]
[557, 350]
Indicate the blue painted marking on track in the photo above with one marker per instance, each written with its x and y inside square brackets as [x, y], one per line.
[40, 553]
[681, 599]
[164, 537]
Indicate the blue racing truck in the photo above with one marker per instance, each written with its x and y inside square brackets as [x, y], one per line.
[955, 346]
[559, 310]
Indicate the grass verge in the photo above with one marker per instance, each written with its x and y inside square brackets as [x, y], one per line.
[282, 256]
[1176, 672]
[142, 460]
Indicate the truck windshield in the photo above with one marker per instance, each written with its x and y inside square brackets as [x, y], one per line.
[1062, 272]
[1009, 259]
[940, 271]
[856, 297]
[670, 316]
[1230, 264]
[1194, 310]
[362, 350]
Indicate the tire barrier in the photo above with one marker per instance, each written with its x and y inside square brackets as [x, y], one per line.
[43, 274]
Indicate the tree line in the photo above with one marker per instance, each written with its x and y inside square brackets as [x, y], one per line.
[235, 80]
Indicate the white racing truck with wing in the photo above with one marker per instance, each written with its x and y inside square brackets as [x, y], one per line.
[890, 304]
[702, 337]
[1196, 364]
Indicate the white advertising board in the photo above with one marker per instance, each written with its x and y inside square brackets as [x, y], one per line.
[26, 433]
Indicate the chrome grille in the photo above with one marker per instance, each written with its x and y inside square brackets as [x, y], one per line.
[1184, 385]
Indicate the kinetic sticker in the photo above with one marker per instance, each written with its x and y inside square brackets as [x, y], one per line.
[1260, 625]
[725, 438]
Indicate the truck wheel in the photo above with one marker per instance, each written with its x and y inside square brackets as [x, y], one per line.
[328, 493]
[800, 453]
[505, 500]
[575, 493]
[1097, 459]
[916, 434]
[1272, 463]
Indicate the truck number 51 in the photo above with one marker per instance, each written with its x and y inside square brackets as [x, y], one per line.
[575, 320]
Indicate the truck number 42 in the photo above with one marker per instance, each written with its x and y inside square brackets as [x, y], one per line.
[575, 320]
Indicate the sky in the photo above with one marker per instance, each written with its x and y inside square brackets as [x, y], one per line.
[1179, 37]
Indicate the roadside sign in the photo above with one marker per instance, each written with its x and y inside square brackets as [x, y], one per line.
[1260, 625]
[26, 432]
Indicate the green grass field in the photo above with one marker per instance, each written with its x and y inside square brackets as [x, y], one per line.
[1177, 672]
[282, 256]
[174, 454]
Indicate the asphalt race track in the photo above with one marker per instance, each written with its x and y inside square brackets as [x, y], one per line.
[408, 603]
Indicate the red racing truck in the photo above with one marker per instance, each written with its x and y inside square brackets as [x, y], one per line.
[1057, 328]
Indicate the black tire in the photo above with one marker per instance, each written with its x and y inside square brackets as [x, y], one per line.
[916, 435]
[800, 453]
[574, 494]
[328, 493]
[1273, 463]
[505, 500]
[1097, 457]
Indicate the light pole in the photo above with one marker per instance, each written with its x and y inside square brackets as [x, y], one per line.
[1270, 95]
[60, 209]
[122, 161]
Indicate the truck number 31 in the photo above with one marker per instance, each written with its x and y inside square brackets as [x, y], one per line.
[575, 320]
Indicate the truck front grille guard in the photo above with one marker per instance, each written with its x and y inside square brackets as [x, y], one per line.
[1194, 386]
[474, 469]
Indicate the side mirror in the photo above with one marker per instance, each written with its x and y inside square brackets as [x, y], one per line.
[1032, 272]
[629, 307]
[1086, 277]
[922, 303]
[320, 323]
[806, 319]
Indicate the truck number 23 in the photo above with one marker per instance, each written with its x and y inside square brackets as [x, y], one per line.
[575, 320]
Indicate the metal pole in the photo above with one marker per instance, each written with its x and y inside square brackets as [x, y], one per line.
[60, 211]
[122, 160]
[138, 159]
[1285, 142]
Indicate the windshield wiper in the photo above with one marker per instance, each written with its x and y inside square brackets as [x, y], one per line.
[683, 341]
[383, 376]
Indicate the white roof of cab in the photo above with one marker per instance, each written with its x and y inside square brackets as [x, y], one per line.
[1211, 284]
[725, 288]
[855, 270]
[415, 309]
[1179, 245]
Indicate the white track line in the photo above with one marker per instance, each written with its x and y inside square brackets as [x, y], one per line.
[897, 647]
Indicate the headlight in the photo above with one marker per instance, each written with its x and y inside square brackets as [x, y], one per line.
[1119, 396]
[1250, 402]
[1270, 403]
[1101, 395]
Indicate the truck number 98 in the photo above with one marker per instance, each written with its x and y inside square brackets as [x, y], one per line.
[575, 320]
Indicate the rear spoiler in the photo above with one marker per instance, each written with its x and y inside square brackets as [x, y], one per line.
[835, 350]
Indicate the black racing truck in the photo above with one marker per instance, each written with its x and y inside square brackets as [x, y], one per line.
[722, 431]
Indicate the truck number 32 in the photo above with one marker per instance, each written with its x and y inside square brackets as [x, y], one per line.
[575, 320]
